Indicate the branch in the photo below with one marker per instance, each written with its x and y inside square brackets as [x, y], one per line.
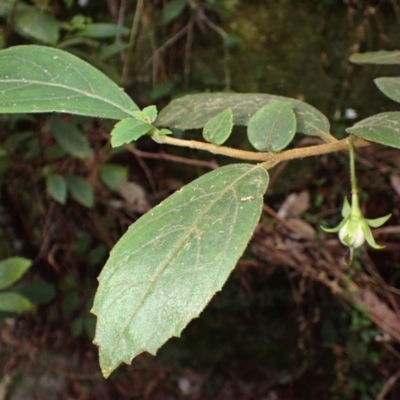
[268, 160]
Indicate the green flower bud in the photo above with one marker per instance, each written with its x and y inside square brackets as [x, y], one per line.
[351, 233]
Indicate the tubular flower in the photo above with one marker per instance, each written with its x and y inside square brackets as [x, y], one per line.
[354, 230]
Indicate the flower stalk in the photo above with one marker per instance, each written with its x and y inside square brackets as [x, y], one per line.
[354, 229]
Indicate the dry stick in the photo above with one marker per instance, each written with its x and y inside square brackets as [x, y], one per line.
[277, 173]
[113, 10]
[268, 160]
[170, 157]
[147, 172]
[387, 387]
[188, 48]
[121, 17]
[396, 9]
[224, 35]
[132, 39]
[383, 286]
[268, 210]
[168, 43]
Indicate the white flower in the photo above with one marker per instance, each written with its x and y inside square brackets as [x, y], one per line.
[354, 230]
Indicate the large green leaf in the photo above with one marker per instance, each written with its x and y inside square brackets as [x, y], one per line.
[390, 87]
[194, 110]
[12, 269]
[376, 57]
[43, 79]
[272, 127]
[382, 128]
[169, 264]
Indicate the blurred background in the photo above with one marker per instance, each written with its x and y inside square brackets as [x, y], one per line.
[286, 325]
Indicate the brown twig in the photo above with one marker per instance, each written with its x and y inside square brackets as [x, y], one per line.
[203, 17]
[188, 48]
[387, 387]
[268, 160]
[132, 40]
[170, 157]
[163, 47]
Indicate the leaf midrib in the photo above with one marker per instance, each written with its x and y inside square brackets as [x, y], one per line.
[73, 90]
[177, 248]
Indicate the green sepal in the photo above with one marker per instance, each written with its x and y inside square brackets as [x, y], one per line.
[369, 238]
[377, 222]
[334, 230]
[346, 209]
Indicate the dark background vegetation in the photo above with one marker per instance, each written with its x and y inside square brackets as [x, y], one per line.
[284, 327]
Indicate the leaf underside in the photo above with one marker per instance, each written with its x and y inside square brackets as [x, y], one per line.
[43, 79]
[390, 87]
[193, 111]
[382, 57]
[382, 128]
[169, 264]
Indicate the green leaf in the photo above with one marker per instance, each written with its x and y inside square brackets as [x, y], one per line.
[43, 79]
[272, 127]
[128, 130]
[172, 10]
[56, 188]
[12, 269]
[382, 128]
[390, 87]
[37, 25]
[102, 30]
[70, 138]
[218, 129]
[169, 264]
[39, 292]
[89, 323]
[80, 190]
[69, 3]
[70, 303]
[113, 175]
[194, 110]
[14, 302]
[150, 112]
[112, 50]
[77, 327]
[163, 89]
[376, 57]
[5, 7]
